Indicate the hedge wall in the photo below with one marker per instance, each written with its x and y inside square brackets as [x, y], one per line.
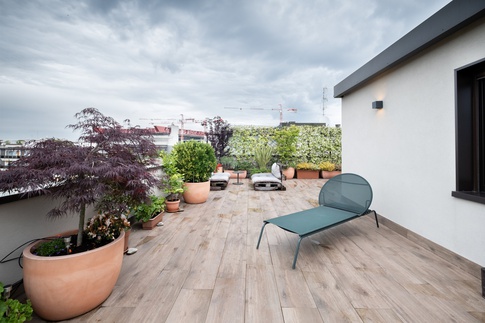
[315, 143]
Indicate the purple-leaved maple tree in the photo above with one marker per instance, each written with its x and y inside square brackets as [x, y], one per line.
[218, 133]
[106, 168]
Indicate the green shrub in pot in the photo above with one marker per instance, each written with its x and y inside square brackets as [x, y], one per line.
[195, 160]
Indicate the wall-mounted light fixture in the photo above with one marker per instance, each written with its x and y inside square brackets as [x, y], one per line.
[377, 105]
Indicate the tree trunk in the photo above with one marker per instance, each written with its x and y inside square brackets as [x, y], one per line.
[80, 230]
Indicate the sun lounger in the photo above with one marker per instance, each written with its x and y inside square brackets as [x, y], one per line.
[269, 181]
[343, 198]
[219, 181]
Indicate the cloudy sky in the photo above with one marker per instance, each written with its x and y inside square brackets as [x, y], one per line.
[152, 60]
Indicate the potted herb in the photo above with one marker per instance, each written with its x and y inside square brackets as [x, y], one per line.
[107, 169]
[151, 212]
[307, 171]
[195, 161]
[11, 310]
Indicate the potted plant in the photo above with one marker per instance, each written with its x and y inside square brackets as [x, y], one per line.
[286, 139]
[195, 161]
[11, 310]
[173, 185]
[151, 212]
[243, 166]
[228, 164]
[107, 161]
[263, 155]
[307, 171]
[328, 169]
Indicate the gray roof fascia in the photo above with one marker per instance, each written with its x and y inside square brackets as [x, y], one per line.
[451, 18]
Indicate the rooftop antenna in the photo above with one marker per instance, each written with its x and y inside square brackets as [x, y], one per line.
[324, 100]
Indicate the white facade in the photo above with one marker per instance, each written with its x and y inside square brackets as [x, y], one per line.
[407, 149]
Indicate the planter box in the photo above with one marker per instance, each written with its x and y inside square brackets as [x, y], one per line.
[307, 174]
[150, 224]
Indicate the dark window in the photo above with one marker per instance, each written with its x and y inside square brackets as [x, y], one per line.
[470, 132]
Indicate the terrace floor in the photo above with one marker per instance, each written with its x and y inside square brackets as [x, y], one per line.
[203, 266]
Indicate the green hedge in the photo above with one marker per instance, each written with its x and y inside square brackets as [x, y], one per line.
[314, 145]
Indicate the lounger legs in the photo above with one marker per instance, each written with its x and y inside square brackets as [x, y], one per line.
[297, 246]
[296, 253]
[375, 215]
[261, 234]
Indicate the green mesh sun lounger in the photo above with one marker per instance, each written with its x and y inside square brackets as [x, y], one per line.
[342, 198]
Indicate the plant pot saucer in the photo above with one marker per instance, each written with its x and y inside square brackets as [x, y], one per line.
[178, 210]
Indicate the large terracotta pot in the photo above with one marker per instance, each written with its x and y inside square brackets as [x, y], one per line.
[289, 172]
[67, 286]
[197, 193]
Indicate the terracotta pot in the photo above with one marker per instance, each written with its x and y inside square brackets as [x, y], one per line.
[197, 193]
[67, 286]
[242, 175]
[172, 206]
[329, 174]
[307, 174]
[289, 172]
[150, 224]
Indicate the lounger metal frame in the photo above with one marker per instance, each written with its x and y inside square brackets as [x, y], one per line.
[342, 199]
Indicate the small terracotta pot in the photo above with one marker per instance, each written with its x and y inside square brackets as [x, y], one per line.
[289, 172]
[172, 206]
[197, 193]
[330, 174]
[67, 286]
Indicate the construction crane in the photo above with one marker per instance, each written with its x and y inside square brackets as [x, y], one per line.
[280, 109]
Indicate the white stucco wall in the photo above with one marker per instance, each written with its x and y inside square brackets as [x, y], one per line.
[407, 149]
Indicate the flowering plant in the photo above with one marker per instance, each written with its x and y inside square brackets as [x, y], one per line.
[106, 227]
[307, 166]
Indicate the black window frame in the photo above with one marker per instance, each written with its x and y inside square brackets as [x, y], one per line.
[470, 132]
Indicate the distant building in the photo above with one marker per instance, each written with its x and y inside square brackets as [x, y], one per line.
[10, 153]
[166, 137]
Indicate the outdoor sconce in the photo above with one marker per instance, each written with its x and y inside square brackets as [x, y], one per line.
[377, 105]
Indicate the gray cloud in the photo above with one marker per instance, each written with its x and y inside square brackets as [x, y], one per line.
[159, 59]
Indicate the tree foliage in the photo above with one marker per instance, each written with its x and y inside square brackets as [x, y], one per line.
[218, 134]
[106, 168]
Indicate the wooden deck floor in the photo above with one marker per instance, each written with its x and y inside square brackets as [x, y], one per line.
[203, 266]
